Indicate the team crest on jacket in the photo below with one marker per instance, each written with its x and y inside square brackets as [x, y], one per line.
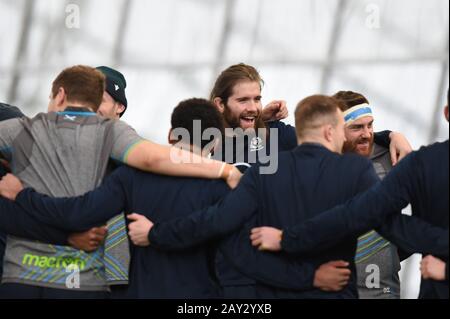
[256, 144]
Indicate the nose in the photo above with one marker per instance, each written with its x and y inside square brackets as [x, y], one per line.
[366, 132]
[253, 106]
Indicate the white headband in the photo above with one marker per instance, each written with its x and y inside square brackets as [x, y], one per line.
[357, 112]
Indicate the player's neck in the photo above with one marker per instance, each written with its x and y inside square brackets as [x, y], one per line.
[316, 140]
[76, 105]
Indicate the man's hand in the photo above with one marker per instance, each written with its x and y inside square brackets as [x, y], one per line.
[266, 238]
[399, 147]
[332, 276]
[275, 111]
[138, 229]
[89, 240]
[234, 177]
[432, 268]
[10, 186]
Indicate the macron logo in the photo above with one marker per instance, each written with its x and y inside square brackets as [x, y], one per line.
[116, 87]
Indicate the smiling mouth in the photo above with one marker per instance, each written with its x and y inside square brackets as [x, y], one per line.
[363, 144]
[248, 119]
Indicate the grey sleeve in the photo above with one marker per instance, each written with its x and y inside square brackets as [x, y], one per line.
[9, 130]
[125, 138]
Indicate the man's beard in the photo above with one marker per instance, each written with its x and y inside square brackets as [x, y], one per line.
[357, 147]
[234, 121]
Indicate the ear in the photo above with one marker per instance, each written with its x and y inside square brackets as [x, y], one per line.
[446, 112]
[61, 98]
[120, 109]
[328, 132]
[219, 104]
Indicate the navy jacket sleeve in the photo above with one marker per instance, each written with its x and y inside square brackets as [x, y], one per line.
[287, 136]
[79, 213]
[271, 269]
[15, 221]
[413, 235]
[382, 138]
[215, 221]
[364, 212]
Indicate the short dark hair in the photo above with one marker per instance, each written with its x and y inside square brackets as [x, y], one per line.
[350, 99]
[187, 111]
[315, 111]
[82, 84]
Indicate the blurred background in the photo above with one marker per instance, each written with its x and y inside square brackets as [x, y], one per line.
[395, 52]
